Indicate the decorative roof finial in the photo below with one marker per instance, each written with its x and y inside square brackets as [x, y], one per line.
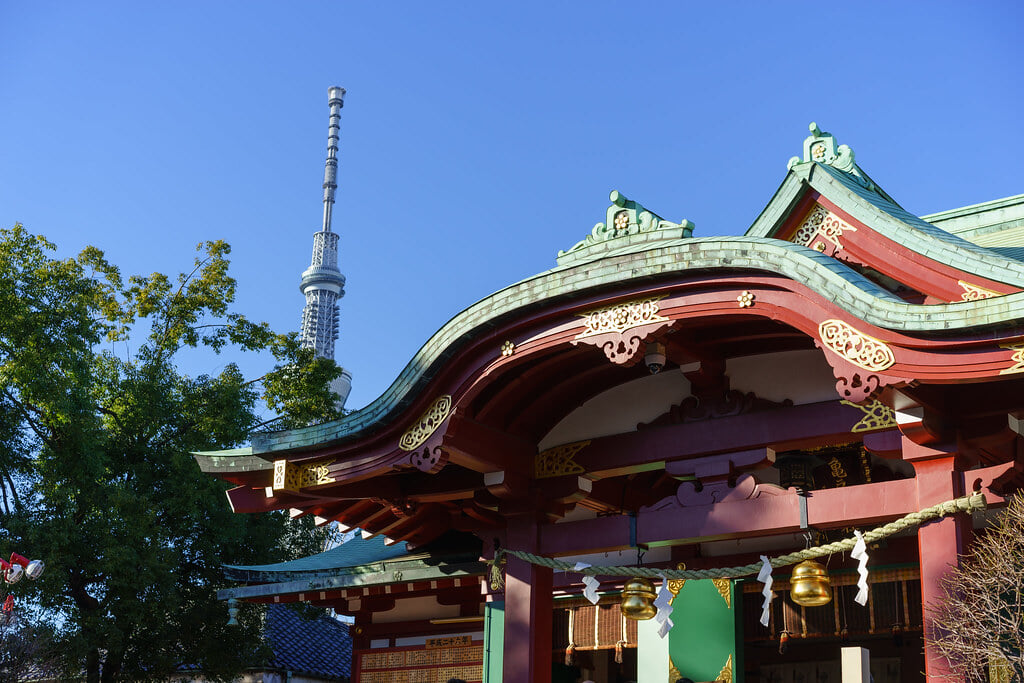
[820, 147]
[625, 218]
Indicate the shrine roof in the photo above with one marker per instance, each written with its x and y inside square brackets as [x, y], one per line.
[354, 554]
[650, 249]
[321, 647]
[997, 225]
[872, 207]
[359, 563]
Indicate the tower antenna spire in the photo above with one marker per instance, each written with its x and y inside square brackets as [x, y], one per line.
[336, 100]
[322, 283]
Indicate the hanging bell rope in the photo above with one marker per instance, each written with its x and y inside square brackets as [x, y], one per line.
[972, 503]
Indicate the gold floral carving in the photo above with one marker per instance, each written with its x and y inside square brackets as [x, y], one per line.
[676, 585]
[1017, 358]
[724, 587]
[855, 346]
[292, 477]
[428, 423]
[622, 317]
[507, 348]
[821, 230]
[554, 462]
[877, 415]
[726, 673]
[975, 292]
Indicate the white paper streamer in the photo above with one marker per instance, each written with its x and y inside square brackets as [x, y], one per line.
[765, 577]
[590, 583]
[664, 604]
[860, 552]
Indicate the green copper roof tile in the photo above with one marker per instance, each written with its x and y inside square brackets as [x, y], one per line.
[353, 554]
[857, 295]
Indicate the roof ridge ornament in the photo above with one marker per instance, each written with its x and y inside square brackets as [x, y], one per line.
[625, 218]
[820, 147]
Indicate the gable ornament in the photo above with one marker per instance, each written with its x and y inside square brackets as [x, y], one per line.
[626, 218]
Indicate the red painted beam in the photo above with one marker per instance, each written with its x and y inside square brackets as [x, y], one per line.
[864, 506]
[783, 429]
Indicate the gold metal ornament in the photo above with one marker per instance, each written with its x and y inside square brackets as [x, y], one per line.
[638, 596]
[809, 585]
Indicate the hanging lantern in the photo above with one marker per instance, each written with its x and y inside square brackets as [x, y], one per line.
[638, 597]
[809, 585]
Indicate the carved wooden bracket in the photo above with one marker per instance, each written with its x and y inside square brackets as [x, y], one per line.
[627, 347]
[857, 361]
[430, 456]
[621, 330]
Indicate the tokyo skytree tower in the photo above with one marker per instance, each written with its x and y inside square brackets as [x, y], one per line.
[322, 283]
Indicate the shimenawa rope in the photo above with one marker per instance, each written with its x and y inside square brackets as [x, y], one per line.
[971, 503]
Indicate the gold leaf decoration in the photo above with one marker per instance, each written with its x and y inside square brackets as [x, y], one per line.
[860, 349]
[427, 424]
[975, 292]
[554, 462]
[724, 589]
[292, 477]
[622, 317]
[877, 415]
[821, 230]
[1017, 358]
[726, 673]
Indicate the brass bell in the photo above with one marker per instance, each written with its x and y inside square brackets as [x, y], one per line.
[809, 585]
[638, 596]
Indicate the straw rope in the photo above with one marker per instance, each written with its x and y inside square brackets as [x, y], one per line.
[971, 503]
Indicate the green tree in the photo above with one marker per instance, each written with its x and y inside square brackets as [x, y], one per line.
[96, 475]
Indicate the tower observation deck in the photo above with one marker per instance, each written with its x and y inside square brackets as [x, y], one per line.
[322, 283]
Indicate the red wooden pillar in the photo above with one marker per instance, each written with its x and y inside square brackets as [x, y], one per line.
[528, 608]
[941, 542]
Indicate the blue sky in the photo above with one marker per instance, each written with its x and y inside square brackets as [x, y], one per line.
[477, 139]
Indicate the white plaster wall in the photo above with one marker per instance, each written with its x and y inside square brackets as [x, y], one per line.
[801, 376]
[620, 408]
[415, 609]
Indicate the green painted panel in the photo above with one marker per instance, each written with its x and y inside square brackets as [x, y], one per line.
[705, 636]
[494, 641]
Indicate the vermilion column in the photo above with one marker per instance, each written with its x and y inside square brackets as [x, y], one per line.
[940, 543]
[528, 607]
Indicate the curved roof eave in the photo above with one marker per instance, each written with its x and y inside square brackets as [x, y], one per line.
[649, 261]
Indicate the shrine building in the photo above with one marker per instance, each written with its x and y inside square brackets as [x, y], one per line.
[698, 410]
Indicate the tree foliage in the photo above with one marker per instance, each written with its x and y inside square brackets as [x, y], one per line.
[978, 623]
[95, 466]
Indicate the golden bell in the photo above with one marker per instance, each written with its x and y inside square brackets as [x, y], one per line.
[809, 585]
[638, 596]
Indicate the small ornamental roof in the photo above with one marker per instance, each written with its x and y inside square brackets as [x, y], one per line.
[357, 553]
